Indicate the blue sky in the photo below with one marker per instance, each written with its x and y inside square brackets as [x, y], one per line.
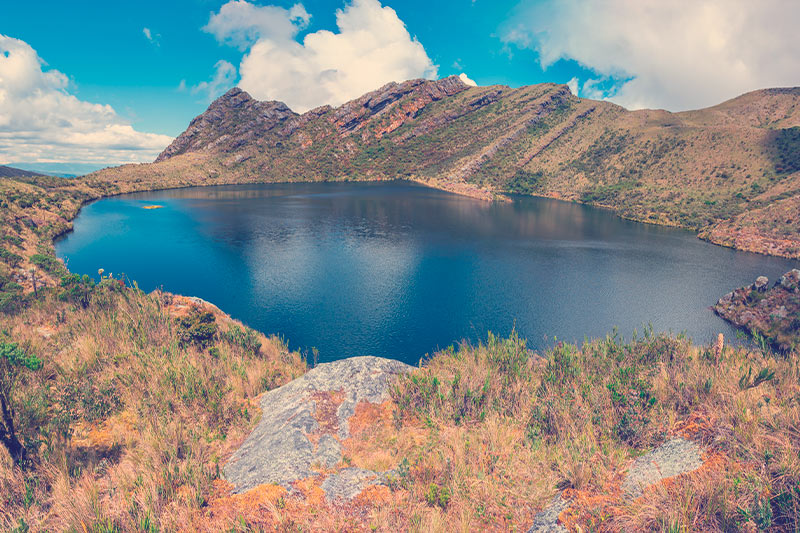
[104, 50]
[676, 55]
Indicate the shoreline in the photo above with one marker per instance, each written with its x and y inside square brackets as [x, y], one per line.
[92, 194]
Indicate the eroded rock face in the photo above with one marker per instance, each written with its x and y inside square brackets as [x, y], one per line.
[352, 115]
[303, 423]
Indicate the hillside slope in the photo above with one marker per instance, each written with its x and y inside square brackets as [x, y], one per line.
[11, 172]
[713, 170]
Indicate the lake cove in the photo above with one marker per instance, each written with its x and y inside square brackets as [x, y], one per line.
[398, 270]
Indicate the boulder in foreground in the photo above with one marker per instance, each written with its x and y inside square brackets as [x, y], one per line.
[304, 423]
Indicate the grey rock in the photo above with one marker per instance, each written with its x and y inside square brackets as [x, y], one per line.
[279, 449]
[761, 284]
[546, 521]
[745, 318]
[230, 122]
[674, 457]
[347, 483]
[791, 280]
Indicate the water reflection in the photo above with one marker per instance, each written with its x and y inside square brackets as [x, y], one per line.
[397, 270]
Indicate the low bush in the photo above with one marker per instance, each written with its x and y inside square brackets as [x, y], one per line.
[198, 327]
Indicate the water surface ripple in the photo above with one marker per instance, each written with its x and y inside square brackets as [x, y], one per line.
[397, 270]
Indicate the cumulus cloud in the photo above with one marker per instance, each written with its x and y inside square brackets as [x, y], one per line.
[467, 80]
[677, 55]
[223, 79]
[40, 121]
[242, 24]
[573, 85]
[371, 47]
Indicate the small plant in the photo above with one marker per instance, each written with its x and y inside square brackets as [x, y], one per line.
[199, 327]
[47, 263]
[437, 495]
[748, 381]
[245, 338]
[12, 362]
[77, 289]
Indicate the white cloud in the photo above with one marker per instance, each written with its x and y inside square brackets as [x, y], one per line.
[372, 47]
[148, 34]
[224, 78]
[466, 79]
[242, 24]
[573, 86]
[677, 55]
[40, 121]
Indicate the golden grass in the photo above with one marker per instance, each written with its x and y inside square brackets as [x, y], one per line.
[506, 431]
[136, 423]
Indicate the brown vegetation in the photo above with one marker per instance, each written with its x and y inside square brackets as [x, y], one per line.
[132, 411]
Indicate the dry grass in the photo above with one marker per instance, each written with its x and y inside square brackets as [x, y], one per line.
[127, 423]
[135, 419]
[507, 430]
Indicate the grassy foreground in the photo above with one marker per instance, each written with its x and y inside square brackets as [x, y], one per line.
[501, 431]
[127, 405]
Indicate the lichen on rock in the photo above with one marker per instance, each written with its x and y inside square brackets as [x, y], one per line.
[302, 426]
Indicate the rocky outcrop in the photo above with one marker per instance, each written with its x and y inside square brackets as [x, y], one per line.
[546, 521]
[674, 458]
[355, 114]
[303, 424]
[773, 312]
[232, 121]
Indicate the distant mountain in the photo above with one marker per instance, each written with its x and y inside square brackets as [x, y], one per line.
[731, 171]
[11, 172]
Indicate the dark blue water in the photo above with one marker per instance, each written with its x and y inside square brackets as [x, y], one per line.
[397, 270]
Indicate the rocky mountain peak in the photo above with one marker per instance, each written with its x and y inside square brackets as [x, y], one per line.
[235, 116]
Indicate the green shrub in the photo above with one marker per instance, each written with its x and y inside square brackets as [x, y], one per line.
[245, 338]
[199, 327]
[525, 182]
[77, 289]
[10, 258]
[437, 496]
[13, 361]
[47, 263]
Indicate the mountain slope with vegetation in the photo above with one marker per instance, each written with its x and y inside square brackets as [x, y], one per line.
[731, 172]
[11, 172]
[119, 408]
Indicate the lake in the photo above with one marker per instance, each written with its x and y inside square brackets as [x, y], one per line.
[395, 269]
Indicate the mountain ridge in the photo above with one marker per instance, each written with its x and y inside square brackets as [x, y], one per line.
[715, 170]
[13, 172]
